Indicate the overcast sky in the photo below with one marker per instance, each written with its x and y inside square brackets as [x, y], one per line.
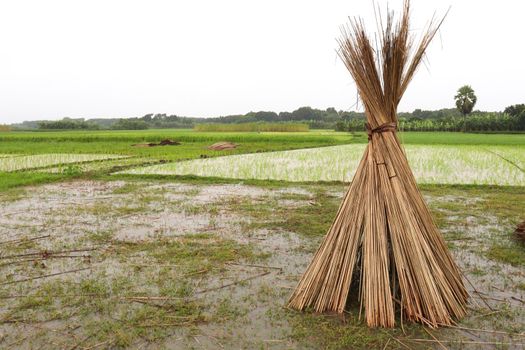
[128, 58]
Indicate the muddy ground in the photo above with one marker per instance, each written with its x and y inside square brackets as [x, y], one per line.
[149, 265]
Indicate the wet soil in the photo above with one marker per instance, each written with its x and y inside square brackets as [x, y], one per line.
[243, 300]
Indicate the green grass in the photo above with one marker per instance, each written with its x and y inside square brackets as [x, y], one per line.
[194, 252]
[332, 333]
[299, 220]
[510, 253]
[10, 180]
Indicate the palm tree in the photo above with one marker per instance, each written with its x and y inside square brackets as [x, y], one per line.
[465, 101]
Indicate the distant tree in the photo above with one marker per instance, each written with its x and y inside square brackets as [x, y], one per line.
[521, 120]
[67, 124]
[347, 116]
[515, 110]
[341, 126]
[305, 113]
[266, 116]
[285, 116]
[465, 102]
[147, 118]
[130, 124]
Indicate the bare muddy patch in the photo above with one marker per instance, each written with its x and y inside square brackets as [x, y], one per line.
[145, 246]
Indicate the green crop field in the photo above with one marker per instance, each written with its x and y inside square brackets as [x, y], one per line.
[104, 152]
[121, 143]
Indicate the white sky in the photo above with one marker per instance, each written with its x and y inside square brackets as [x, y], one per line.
[109, 58]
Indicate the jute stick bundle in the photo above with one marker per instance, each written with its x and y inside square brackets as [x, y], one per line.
[383, 243]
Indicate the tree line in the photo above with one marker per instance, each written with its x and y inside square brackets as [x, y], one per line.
[476, 122]
[462, 118]
[451, 119]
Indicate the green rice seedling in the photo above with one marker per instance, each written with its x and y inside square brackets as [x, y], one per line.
[436, 164]
[8, 164]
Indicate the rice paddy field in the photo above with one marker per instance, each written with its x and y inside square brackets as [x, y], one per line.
[109, 245]
[10, 163]
[436, 164]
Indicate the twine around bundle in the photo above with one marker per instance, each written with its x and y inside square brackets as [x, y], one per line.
[381, 128]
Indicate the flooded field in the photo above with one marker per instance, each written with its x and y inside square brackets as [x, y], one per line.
[147, 265]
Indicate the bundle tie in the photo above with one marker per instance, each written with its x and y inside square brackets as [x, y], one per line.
[381, 128]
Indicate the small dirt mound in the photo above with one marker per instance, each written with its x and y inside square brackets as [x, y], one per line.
[520, 231]
[166, 142]
[144, 145]
[221, 146]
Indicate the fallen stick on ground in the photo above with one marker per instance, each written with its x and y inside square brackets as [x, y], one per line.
[436, 339]
[489, 298]
[476, 291]
[403, 344]
[148, 298]
[487, 314]
[44, 258]
[469, 342]
[44, 276]
[10, 345]
[285, 287]
[97, 345]
[518, 299]
[165, 324]
[487, 331]
[25, 239]
[260, 266]
[195, 273]
[154, 265]
[496, 288]
[63, 332]
[81, 342]
[232, 283]
[47, 253]
[33, 322]
[138, 297]
[148, 303]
